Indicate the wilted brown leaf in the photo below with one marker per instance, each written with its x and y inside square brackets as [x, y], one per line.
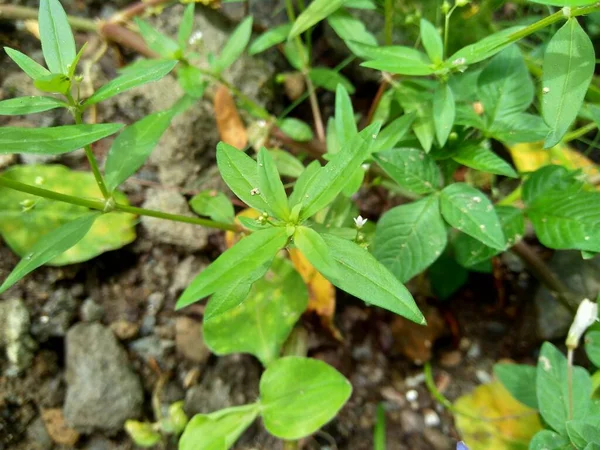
[230, 125]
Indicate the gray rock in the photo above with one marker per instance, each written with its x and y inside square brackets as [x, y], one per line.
[189, 236]
[581, 277]
[102, 389]
[57, 314]
[38, 436]
[14, 335]
[152, 347]
[91, 311]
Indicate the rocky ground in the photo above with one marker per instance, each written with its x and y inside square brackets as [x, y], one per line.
[85, 347]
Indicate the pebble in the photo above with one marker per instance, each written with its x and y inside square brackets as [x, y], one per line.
[450, 359]
[431, 418]
[124, 329]
[412, 395]
[57, 314]
[14, 335]
[412, 422]
[58, 430]
[189, 341]
[91, 311]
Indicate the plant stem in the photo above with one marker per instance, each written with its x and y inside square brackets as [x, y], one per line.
[25, 13]
[389, 21]
[570, 380]
[579, 132]
[101, 205]
[447, 29]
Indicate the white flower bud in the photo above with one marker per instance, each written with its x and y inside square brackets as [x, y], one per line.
[359, 222]
[586, 315]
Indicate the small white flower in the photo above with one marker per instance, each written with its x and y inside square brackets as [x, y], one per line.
[195, 37]
[359, 221]
[586, 315]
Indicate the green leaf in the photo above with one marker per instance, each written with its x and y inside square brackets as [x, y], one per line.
[329, 79]
[568, 69]
[213, 204]
[549, 440]
[25, 218]
[552, 389]
[29, 105]
[239, 261]
[58, 44]
[331, 179]
[186, 26]
[420, 102]
[444, 112]
[271, 187]
[469, 210]
[153, 71]
[55, 83]
[592, 347]
[191, 81]
[218, 430]
[316, 11]
[519, 128]
[519, 380]
[394, 132]
[296, 129]
[240, 173]
[294, 52]
[314, 248]
[235, 45]
[54, 140]
[569, 3]
[582, 432]
[484, 48]
[27, 65]
[411, 168]
[398, 60]
[446, 276]
[158, 42]
[260, 322]
[133, 146]
[409, 238]
[287, 164]
[361, 275]
[345, 124]
[432, 41]
[351, 29]
[549, 179]
[303, 182]
[49, 246]
[480, 158]
[269, 38]
[300, 395]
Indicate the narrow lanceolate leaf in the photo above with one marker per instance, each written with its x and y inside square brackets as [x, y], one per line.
[133, 146]
[329, 79]
[213, 204]
[361, 275]
[303, 182]
[399, 60]
[158, 42]
[411, 168]
[238, 262]
[409, 238]
[296, 129]
[186, 27]
[392, 133]
[314, 248]
[316, 11]
[49, 247]
[271, 187]
[484, 48]
[235, 45]
[240, 173]
[270, 38]
[568, 68]
[432, 41]
[350, 28]
[345, 124]
[444, 112]
[153, 71]
[29, 105]
[483, 159]
[54, 140]
[27, 65]
[331, 179]
[469, 210]
[58, 44]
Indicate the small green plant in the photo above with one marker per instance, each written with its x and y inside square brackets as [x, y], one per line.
[438, 111]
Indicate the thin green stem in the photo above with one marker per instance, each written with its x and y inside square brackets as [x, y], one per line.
[102, 205]
[447, 29]
[389, 21]
[579, 132]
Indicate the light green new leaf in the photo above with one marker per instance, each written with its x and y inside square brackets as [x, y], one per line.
[29, 105]
[398, 60]
[271, 187]
[592, 347]
[213, 204]
[191, 80]
[186, 26]
[364, 277]
[54, 140]
[158, 42]
[58, 44]
[56, 83]
[269, 38]
[351, 29]
[553, 390]
[345, 124]
[411, 168]
[483, 159]
[316, 11]
[582, 432]
[484, 48]
[394, 132]
[235, 45]
[444, 112]
[300, 395]
[133, 146]
[258, 322]
[329, 79]
[152, 71]
[218, 430]
[519, 380]
[239, 261]
[470, 211]
[568, 67]
[240, 173]
[409, 238]
[27, 65]
[314, 248]
[287, 164]
[549, 440]
[432, 41]
[25, 218]
[303, 182]
[296, 129]
[49, 246]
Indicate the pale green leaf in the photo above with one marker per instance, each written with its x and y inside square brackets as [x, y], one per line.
[549, 440]
[483, 159]
[314, 248]
[432, 41]
[235, 45]
[316, 11]
[303, 182]
[56, 83]
[58, 44]
[213, 204]
[29, 105]
[444, 112]
[583, 432]
[27, 65]
[296, 129]
[191, 81]
[398, 60]
[271, 187]
[287, 164]
[157, 41]
[592, 347]
[345, 124]
[269, 38]
[329, 79]
[186, 26]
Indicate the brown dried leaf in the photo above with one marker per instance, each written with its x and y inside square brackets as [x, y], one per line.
[230, 125]
[416, 341]
[57, 428]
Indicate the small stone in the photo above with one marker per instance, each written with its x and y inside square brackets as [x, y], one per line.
[450, 359]
[411, 422]
[431, 418]
[38, 436]
[189, 340]
[124, 329]
[155, 302]
[14, 335]
[57, 314]
[438, 440]
[152, 347]
[91, 311]
[57, 428]
[412, 395]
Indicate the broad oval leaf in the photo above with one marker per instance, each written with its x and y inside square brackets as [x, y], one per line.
[411, 168]
[269, 38]
[58, 44]
[409, 238]
[315, 250]
[329, 79]
[27, 65]
[592, 347]
[568, 68]
[158, 42]
[467, 209]
[54, 140]
[316, 11]
[235, 45]
[287, 164]
[296, 129]
[293, 384]
[29, 105]
[213, 204]
[584, 432]
[480, 158]
[519, 380]
[432, 41]
[49, 246]
[550, 179]
[271, 187]
[444, 112]
[549, 440]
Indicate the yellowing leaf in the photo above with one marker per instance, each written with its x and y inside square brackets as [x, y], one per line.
[505, 424]
[230, 125]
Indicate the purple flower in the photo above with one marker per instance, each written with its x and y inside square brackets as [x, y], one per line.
[461, 446]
